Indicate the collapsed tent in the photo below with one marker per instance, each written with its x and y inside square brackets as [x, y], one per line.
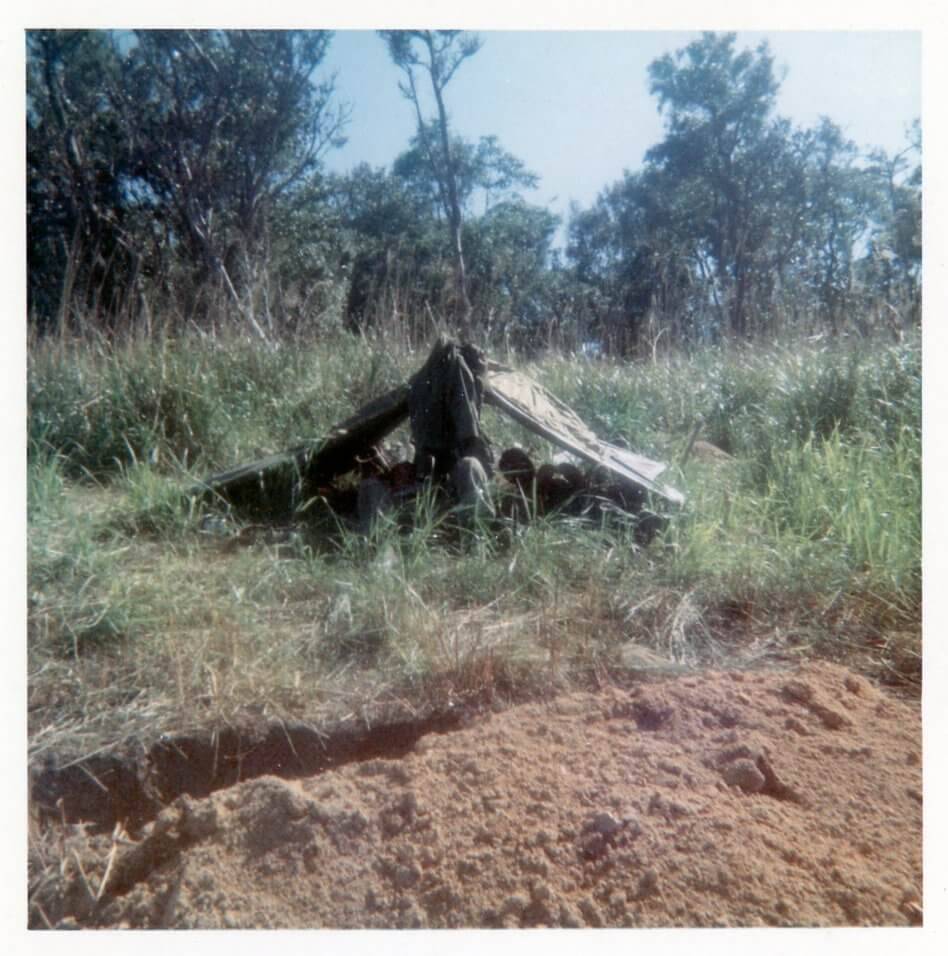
[535, 408]
[282, 482]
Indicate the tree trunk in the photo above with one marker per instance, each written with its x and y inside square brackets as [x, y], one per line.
[455, 217]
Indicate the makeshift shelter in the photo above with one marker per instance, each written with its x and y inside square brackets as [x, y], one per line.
[280, 483]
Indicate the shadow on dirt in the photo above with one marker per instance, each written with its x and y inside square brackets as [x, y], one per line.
[132, 786]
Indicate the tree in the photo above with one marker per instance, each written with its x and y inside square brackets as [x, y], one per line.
[439, 54]
[78, 243]
[499, 174]
[837, 216]
[231, 123]
[395, 259]
[893, 266]
[509, 265]
[165, 157]
[722, 150]
[485, 170]
[400, 270]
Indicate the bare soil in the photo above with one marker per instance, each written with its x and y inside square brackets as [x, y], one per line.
[753, 798]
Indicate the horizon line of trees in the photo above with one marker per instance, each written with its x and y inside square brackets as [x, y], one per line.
[176, 177]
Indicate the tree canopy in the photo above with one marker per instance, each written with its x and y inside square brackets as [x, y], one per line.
[178, 176]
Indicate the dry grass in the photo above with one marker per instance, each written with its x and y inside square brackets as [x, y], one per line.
[222, 629]
[145, 619]
[211, 628]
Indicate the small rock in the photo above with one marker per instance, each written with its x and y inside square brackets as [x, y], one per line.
[796, 726]
[394, 818]
[669, 809]
[489, 917]
[734, 753]
[832, 720]
[405, 877]
[729, 717]
[648, 884]
[604, 823]
[854, 685]
[535, 864]
[540, 892]
[484, 835]
[514, 905]
[408, 805]
[491, 802]
[651, 715]
[745, 775]
[798, 691]
[411, 917]
[593, 846]
[590, 912]
[569, 918]
[198, 820]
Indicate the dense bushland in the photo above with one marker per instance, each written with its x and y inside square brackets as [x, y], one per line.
[176, 180]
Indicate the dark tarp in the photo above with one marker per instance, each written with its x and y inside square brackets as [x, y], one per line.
[544, 414]
[444, 405]
[444, 399]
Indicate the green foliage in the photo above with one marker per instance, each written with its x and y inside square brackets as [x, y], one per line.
[739, 225]
[809, 535]
[175, 179]
[193, 403]
[152, 504]
[508, 250]
[484, 170]
[437, 55]
[103, 407]
[160, 162]
[73, 567]
[77, 229]
[856, 497]
[825, 481]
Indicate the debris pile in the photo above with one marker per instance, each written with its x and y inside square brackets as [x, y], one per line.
[442, 402]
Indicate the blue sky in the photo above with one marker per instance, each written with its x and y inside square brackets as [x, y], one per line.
[575, 107]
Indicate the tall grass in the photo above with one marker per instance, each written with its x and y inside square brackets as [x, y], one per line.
[196, 402]
[808, 535]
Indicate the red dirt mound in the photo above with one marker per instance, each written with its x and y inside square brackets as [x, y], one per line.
[718, 799]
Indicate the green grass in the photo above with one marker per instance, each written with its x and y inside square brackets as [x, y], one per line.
[195, 404]
[145, 611]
